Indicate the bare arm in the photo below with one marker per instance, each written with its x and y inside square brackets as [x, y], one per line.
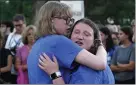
[24, 67]
[127, 67]
[102, 54]
[97, 62]
[115, 68]
[17, 63]
[9, 65]
[58, 81]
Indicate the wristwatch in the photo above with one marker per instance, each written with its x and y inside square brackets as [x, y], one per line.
[55, 75]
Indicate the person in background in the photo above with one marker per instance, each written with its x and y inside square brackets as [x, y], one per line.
[14, 40]
[5, 63]
[6, 27]
[133, 27]
[28, 36]
[86, 34]
[107, 42]
[115, 38]
[123, 61]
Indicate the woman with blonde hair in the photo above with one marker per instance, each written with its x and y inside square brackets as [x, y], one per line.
[28, 38]
[53, 22]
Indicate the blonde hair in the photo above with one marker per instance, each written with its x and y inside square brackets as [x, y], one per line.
[25, 33]
[45, 15]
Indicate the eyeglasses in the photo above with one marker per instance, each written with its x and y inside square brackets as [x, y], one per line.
[69, 21]
[19, 25]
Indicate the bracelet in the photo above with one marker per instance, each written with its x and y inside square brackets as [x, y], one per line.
[55, 75]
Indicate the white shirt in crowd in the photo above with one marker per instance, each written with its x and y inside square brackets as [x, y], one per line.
[12, 40]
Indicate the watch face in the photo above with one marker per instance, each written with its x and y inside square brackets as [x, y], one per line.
[58, 73]
[55, 75]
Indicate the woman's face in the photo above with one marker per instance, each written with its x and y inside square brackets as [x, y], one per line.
[83, 35]
[122, 36]
[31, 36]
[62, 24]
[2, 28]
[103, 36]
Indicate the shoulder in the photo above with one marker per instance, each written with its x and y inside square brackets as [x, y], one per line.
[56, 38]
[117, 48]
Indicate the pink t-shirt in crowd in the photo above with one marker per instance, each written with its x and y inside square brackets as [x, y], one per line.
[22, 53]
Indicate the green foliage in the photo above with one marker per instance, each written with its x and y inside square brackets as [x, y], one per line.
[120, 10]
[117, 9]
[25, 7]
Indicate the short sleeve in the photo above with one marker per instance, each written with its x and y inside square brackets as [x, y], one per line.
[8, 52]
[66, 51]
[132, 55]
[114, 57]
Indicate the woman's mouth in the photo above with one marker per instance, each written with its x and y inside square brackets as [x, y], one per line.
[79, 43]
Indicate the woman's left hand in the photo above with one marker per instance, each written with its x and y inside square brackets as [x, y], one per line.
[46, 64]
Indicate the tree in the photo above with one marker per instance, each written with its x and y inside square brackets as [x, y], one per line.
[117, 9]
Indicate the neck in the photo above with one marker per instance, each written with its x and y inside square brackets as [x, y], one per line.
[17, 32]
[126, 43]
[30, 44]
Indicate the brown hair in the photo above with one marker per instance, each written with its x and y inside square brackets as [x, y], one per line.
[45, 15]
[18, 17]
[1, 37]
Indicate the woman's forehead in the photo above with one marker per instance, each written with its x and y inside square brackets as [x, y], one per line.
[83, 26]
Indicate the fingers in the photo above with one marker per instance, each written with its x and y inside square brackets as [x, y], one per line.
[43, 58]
[41, 62]
[55, 60]
[46, 57]
[41, 66]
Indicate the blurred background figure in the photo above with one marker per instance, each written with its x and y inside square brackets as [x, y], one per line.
[5, 63]
[123, 60]
[115, 38]
[29, 36]
[14, 40]
[107, 42]
[6, 27]
[133, 27]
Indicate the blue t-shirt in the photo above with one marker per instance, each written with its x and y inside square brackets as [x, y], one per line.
[85, 75]
[61, 47]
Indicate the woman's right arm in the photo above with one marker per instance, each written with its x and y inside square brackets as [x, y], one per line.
[97, 62]
[68, 52]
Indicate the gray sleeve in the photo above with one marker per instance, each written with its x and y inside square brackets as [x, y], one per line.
[114, 57]
[132, 55]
